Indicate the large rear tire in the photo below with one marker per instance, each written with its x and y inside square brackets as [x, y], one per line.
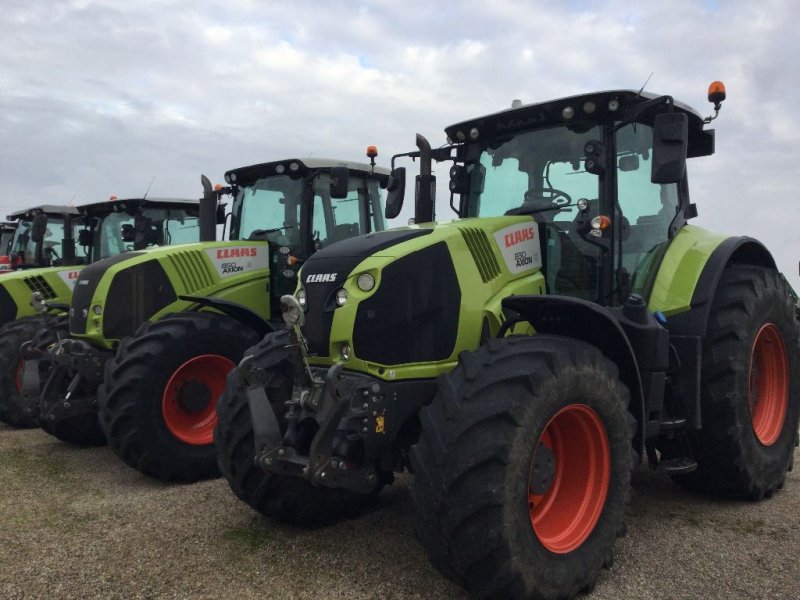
[290, 499]
[12, 336]
[750, 388]
[157, 401]
[522, 469]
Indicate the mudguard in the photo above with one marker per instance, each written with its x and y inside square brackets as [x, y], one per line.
[591, 323]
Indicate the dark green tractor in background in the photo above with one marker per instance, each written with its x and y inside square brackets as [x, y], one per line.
[102, 230]
[521, 361]
[154, 333]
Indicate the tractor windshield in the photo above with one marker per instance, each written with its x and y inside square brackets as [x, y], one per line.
[24, 248]
[122, 231]
[269, 208]
[337, 219]
[542, 173]
[272, 208]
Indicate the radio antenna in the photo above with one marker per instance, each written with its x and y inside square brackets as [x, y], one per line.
[639, 93]
[148, 188]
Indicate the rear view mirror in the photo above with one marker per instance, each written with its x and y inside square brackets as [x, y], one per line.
[38, 228]
[85, 237]
[396, 188]
[670, 143]
[340, 181]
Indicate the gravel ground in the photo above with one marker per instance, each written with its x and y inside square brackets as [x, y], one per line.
[77, 523]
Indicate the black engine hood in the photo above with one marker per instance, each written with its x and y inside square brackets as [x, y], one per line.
[342, 257]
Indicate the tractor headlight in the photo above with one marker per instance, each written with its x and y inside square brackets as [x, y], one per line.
[341, 297]
[97, 309]
[345, 352]
[365, 282]
[301, 298]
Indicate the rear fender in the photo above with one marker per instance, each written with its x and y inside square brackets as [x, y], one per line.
[734, 250]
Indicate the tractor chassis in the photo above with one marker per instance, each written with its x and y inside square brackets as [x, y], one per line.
[84, 364]
[362, 426]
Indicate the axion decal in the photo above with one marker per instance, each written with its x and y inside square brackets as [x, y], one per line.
[519, 246]
[234, 260]
[70, 278]
[321, 278]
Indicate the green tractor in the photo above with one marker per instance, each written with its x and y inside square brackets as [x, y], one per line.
[38, 268]
[521, 361]
[104, 229]
[153, 334]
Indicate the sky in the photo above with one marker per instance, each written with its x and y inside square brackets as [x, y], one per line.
[104, 97]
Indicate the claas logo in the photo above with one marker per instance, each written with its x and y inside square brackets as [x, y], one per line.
[518, 236]
[236, 252]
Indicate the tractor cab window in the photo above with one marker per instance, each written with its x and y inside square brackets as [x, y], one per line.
[647, 209]
[121, 231]
[337, 219]
[541, 173]
[23, 246]
[114, 235]
[269, 208]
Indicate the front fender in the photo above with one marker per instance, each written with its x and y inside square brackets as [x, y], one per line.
[593, 324]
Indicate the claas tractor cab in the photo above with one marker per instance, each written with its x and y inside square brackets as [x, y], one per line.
[7, 229]
[39, 234]
[522, 360]
[154, 333]
[97, 231]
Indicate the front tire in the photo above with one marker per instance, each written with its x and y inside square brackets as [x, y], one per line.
[750, 388]
[157, 401]
[287, 498]
[12, 336]
[522, 469]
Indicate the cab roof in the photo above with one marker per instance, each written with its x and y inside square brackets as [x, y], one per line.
[51, 210]
[110, 205]
[542, 114]
[304, 165]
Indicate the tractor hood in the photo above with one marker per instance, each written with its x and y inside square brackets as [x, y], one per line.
[56, 284]
[395, 297]
[116, 295]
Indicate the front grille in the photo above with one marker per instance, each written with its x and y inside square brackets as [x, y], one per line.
[135, 295]
[478, 243]
[413, 316]
[37, 283]
[192, 270]
[85, 287]
[320, 297]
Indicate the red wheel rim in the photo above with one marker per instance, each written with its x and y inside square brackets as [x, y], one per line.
[565, 514]
[768, 384]
[19, 376]
[195, 427]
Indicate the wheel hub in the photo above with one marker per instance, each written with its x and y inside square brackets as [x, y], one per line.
[193, 396]
[543, 470]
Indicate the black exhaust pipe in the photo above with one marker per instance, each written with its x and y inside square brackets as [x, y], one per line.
[208, 211]
[425, 193]
[68, 243]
